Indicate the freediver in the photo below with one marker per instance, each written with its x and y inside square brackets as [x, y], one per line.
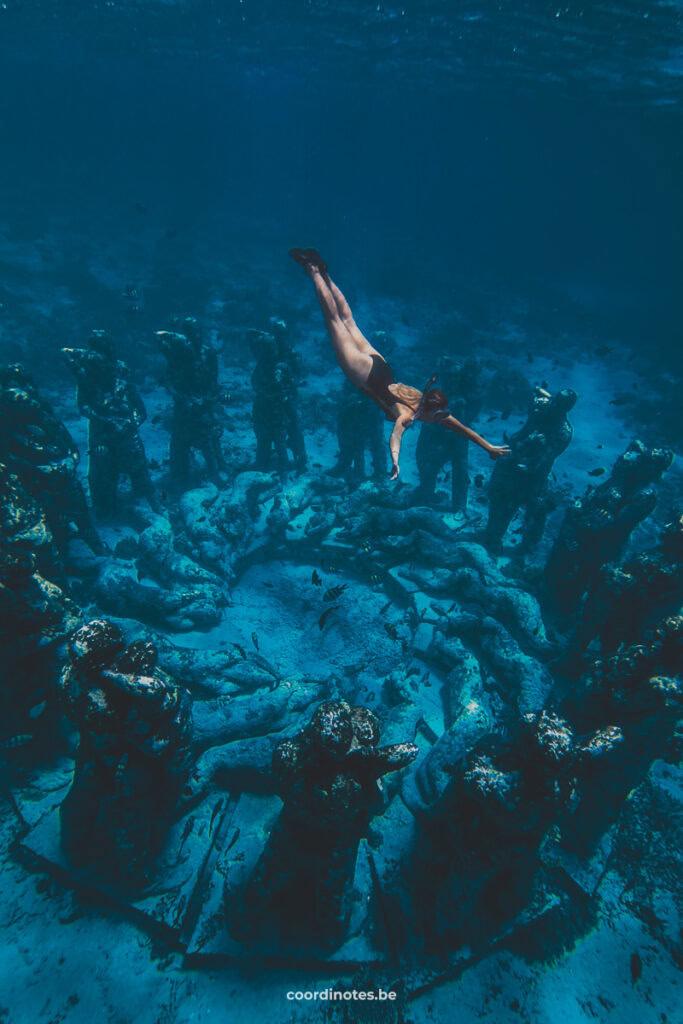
[365, 367]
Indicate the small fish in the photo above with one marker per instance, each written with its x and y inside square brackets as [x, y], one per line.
[452, 608]
[219, 804]
[506, 414]
[254, 640]
[597, 472]
[267, 584]
[325, 615]
[334, 592]
[37, 711]
[390, 630]
[479, 480]
[619, 400]
[598, 446]
[636, 967]
[189, 825]
[315, 579]
[491, 419]
[385, 608]
[238, 647]
[604, 350]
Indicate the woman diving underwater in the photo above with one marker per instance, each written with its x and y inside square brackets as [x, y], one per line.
[368, 370]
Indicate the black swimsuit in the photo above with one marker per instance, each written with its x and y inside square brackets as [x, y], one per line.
[377, 384]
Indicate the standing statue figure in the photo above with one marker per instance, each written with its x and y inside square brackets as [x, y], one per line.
[522, 480]
[596, 528]
[133, 758]
[360, 425]
[436, 449]
[275, 408]
[328, 777]
[107, 396]
[193, 382]
[35, 444]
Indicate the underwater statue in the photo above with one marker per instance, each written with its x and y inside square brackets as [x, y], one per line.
[108, 398]
[36, 617]
[640, 690]
[435, 448]
[367, 369]
[286, 352]
[133, 757]
[522, 480]
[275, 408]
[35, 444]
[328, 778]
[626, 599]
[478, 851]
[596, 527]
[360, 426]
[24, 526]
[193, 382]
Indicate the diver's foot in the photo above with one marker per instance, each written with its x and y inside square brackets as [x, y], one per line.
[310, 260]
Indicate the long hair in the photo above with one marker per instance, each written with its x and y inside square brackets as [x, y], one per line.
[406, 395]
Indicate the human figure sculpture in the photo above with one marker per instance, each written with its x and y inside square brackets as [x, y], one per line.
[328, 777]
[275, 407]
[133, 757]
[193, 383]
[596, 528]
[108, 398]
[479, 852]
[436, 448]
[35, 444]
[522, 480]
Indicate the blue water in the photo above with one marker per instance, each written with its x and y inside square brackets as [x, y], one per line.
[497, 179]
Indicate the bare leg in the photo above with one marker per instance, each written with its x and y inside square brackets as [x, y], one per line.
[354, 361]
[347, 319]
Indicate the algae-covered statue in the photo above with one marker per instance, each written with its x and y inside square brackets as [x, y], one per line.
[328, 777]
[133, 757]
[193, 382]
[438, 448]
[479, 848]
[275, 408]
[108, 398]
[35, 444]
[360, 427]
[522, 480]
[596, 528]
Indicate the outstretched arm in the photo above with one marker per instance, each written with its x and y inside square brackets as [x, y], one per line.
[395, 442]
[495, 451]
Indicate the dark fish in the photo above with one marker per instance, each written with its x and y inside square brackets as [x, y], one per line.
[604, 350]
[334, 592]
[315, 579]
[479, 480]
[390, 630]
[238, 647]
[189, 825]
[636, 967]
[597, 472]
[598, 446]
[325, 615]
[254, 640]
[452, 608]
[385, 607]
[266, 584]
[219, 804]
[506, 414]
[619, 400]
[491, 419]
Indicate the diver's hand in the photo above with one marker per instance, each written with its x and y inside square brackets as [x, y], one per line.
[394, 471]
[495, 451]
